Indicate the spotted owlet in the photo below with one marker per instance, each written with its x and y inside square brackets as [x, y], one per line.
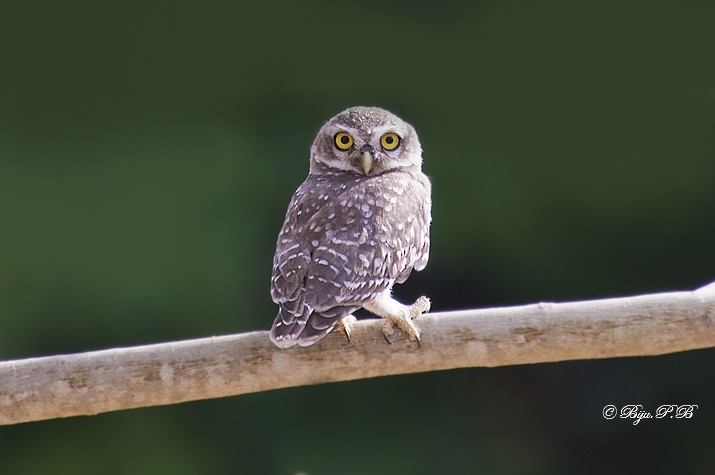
[356, 226]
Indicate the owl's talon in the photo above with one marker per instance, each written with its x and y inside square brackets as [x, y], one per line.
[404, 322]
[400, 316]
[345, 325]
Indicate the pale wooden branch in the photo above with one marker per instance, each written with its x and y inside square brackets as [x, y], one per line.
[168, 373]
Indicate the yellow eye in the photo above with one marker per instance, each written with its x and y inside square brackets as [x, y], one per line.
[343, 140]
[390, 141]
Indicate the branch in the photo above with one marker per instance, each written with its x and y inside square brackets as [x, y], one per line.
[110, 380]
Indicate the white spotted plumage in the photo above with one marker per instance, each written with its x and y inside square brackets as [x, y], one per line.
[350, 233]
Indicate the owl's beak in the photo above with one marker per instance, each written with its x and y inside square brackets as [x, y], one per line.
[366, 162]
[366, 158]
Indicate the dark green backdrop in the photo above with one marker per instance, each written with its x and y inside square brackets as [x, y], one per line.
[148, 151]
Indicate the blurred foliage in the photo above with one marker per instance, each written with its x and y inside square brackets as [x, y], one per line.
[148, 151]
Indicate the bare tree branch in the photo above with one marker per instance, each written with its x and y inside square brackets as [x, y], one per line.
[109, 380]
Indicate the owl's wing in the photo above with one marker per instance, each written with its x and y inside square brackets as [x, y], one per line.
[297, 267]
[309, 304]
[291, 264]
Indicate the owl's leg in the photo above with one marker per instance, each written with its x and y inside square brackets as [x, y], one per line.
[345, 325]
[397, 314]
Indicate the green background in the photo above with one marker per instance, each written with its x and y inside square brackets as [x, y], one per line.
[148, 151]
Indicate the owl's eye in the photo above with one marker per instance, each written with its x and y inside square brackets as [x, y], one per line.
[390, 141]
[343, 140]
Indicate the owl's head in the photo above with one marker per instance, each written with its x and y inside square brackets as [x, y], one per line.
[365, 141]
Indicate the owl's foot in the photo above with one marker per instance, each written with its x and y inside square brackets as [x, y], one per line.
[403, 320]
[398, 315]
[345, 325]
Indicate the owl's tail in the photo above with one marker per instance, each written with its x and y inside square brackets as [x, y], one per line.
[305, 328]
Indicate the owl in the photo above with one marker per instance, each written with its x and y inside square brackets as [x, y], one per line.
[356, 226]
